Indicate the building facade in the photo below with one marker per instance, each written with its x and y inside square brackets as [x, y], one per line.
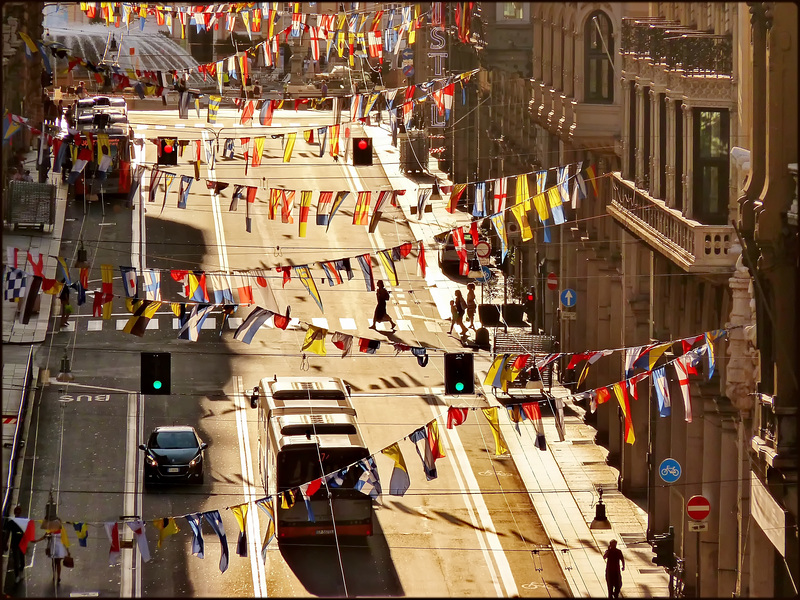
[23, 98]
[678, 106]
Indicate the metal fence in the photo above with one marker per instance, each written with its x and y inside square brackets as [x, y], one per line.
[30, 204]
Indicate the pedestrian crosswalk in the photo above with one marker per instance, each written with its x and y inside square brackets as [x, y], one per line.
[406, 317]
[167, 321]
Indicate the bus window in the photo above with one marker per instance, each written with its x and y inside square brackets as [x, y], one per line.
[301, 465]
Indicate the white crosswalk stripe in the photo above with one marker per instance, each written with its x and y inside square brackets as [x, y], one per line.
[233, 323]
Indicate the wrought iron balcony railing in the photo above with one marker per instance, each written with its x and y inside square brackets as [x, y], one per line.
[689, 244]
[678, 47]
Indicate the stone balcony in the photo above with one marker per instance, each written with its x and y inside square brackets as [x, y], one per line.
[691, 245]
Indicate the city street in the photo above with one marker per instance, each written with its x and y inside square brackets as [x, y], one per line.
[471, 531]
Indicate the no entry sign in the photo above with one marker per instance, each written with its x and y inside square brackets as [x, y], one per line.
[552, 281]
[698, 508]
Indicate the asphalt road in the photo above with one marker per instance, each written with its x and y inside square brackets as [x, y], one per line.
[470, 532]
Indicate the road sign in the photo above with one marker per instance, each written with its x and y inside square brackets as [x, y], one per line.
[408, 62]
[485, 275]
[698, 526]
[483, 249]
[552, 281]
[669, 470]
[568, 297]
[698, 508]
[569, 315]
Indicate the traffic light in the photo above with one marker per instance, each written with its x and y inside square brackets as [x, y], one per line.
[168, 151]
[362, 152]
[664, 548]
[530, 304]
[459, 373]
[156, 373]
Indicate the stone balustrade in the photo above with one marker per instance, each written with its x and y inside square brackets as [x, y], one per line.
[691, 245]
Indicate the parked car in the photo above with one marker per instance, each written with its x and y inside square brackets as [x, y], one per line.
[173, 453]
[448, 257]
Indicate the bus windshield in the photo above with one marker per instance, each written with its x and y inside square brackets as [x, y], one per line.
[302, 465]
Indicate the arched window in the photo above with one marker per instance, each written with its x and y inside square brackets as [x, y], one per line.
[599, 80]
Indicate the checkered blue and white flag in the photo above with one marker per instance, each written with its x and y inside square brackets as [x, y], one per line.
[15, 282]
[369, 483]
[151, 284]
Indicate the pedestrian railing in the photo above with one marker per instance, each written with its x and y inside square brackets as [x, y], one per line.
[11, 469]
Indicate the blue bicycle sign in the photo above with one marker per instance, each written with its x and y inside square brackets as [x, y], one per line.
[669, 470]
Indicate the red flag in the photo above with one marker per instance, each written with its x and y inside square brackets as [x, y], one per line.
[247, 114]
[456, 416]
[421, 258]
[287, 274]
[281, 321]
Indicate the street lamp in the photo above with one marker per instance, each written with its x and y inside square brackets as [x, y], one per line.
[65, 373]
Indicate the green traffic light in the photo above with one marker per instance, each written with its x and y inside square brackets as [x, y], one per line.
[459, 386]
[156, 385]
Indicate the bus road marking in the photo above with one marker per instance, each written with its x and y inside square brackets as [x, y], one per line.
[485, 531]
[249, 489]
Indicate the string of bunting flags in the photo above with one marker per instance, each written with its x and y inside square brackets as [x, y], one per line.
[432, 449]
[347, 34]
[194, 289]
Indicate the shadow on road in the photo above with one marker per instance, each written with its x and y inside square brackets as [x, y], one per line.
[356, 567]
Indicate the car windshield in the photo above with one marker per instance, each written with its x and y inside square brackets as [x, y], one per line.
[172, 440]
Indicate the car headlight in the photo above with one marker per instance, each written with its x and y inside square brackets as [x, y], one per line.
[150, 460]
[196, 460]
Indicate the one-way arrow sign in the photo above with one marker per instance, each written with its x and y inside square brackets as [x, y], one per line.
[568, 297]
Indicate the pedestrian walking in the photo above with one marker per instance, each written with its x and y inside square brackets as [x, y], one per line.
[461, 308]
[614, 559]
[66, 307]
[457, 309]
[13, 534]
[472, 305]
[55, 549]
[324, 89]
[380, 310]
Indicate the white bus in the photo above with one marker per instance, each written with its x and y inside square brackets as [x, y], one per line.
[308, 428]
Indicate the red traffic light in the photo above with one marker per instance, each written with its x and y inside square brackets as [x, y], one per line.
[167, 148]
[530, 297]
[362, 144]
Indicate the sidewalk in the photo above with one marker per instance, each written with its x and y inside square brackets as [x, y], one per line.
[563, 481]
[14, 332]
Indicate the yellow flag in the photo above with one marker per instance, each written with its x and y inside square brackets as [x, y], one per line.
[522, 189]
[240, 512]
[287, 152]
[166, 527]
[499, 443]
[64, 537]
[315, 340]
[540, 202]
[622, 397]
[519, 214]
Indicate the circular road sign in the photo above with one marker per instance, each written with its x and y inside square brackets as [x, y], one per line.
[669, 470]
[552, 281]
[486, 275]
[698, 508]
[483, 249]
[569, 297]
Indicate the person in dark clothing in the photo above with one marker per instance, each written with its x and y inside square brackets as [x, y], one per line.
[380, 310]
[12, 536]
[614, 559]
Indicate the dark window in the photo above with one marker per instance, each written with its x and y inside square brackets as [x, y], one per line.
[662, 145]
[631, 174]
[598, 35]
[678, 155]
[711, 166]
[646, 143]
